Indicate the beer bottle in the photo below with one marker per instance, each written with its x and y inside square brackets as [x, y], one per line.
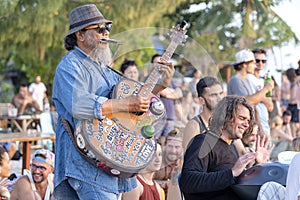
[268, 79]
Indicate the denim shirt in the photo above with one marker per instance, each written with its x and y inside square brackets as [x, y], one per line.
[81, 86]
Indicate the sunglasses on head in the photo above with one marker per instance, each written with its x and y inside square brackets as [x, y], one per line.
[35, 167]
[100, 28]
[258, 61]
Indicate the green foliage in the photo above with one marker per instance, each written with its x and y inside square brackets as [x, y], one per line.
[233, 25]
[32, 31]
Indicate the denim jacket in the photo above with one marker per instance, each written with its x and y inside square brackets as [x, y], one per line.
[81, 86]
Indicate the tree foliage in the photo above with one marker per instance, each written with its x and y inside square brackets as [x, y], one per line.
[32, 31]
[228, 25]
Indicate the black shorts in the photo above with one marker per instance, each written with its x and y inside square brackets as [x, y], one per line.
[294, 110]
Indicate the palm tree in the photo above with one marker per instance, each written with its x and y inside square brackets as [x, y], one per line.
[226, 25]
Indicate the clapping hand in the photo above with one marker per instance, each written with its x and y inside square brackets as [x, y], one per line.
[242, 162]
[263, 149]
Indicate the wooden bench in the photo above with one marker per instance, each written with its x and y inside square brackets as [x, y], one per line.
[26, 139]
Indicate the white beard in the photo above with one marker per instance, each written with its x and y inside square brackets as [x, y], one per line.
[102, 54]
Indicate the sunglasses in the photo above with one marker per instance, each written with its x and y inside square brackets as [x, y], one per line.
[35, 167]
[100, 28]
[258, 61]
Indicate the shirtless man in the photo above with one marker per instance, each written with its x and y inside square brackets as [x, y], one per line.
[292, 106]
[23, 101]
[37, 183]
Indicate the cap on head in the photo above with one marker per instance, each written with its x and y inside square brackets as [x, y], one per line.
[84, 16]
[47, 156]
[244, 55]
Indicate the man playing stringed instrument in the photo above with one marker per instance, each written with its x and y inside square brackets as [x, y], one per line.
[82, 86]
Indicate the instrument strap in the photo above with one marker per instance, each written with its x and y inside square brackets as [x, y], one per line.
[67, 126]
[117, 72]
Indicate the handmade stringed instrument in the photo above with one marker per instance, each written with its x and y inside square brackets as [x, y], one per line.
[122, 144]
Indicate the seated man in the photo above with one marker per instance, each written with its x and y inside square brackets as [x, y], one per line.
[24, 102]
[37, 183]
[172, 159]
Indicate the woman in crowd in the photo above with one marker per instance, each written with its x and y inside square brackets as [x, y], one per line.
[130, 69]
[147, 188]
[280, 139]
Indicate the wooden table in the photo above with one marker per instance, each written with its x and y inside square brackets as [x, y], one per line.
[26, 139]
[26, 120]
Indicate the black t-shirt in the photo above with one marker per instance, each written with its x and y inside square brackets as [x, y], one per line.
[206, 172]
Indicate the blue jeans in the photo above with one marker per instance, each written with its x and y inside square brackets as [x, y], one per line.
[74, 189]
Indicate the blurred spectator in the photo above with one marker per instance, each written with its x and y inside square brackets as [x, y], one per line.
[4, 163]
[172, 159]
[280, 139]
[4, 174]
[196, 77]
[285, 92]
[10, 148]
[296, 144]
[292, 106]
[286, 120]
[130, 69]
[185, 108]
[275, 100]
[38, 92]
[24, 102]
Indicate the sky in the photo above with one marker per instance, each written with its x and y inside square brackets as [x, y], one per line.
[289, 11]
[288, 56]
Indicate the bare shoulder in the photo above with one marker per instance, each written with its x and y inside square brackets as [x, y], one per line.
[21, 186]
[23, 181]
[191, 127]
[134, 194]
[191, 130]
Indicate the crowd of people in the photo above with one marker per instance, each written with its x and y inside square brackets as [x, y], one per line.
[204, 142]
